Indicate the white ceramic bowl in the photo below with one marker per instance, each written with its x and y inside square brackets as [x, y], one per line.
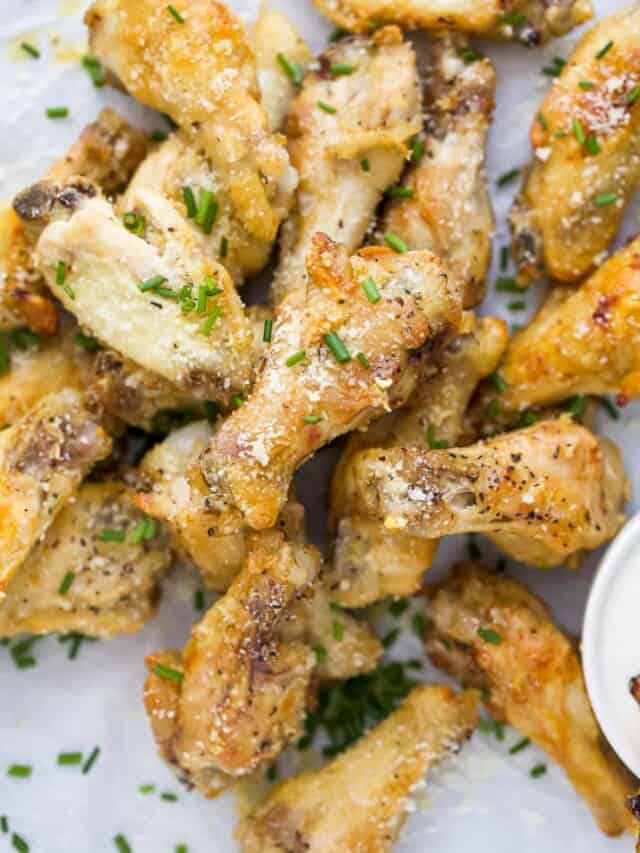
[611, 644]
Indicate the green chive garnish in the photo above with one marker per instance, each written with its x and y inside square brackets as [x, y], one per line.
[18, 843]
[538, 770]
[93, 757]
[611, 410]
[237, 400]
[335, 344]
[207, 325]
[168, 672]
[504, 258]
[20, 771]
[371, 289]
[341, 69]
[543, 121]
[586, 85]
[65, 586]
[203, 296]
[224, 247]
[633, 96]
[505, 284]
[469, 56]
[169, 797]
[152, 283]
[134, 222]
[110, 534]
[30, 49]
[513, 19]
[5, 356]
[175, 14]
[312, 419]
[147, 789]
[198, 599]
[604, 199]
[517, 305]
[267, 331]
[364, 361]
[365, 165]
[321, 653]
[189, 202]
[66, 759]
[390, 637]
[61, 273]
[396, 243]
[519, 746]
[578, 131]
[489, 636]
[498, 383]
[4, 823]
[296, 358]
[555, 69]
[418, 148]
[338, 631]
[122, 844]
[182, 848]
[207, 210]
[400, 192]
[593, 146]
[328, 108]
[493, 410]
[605, 50]
[419, 625]
[434, 442]
[507, 177]
[95, 70]
[293, 70]
[527, 419]
[57, 112]
[158, 135]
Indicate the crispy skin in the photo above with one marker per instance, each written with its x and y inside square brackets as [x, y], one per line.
[377, 112]
[583, 342]
[533, 679]
[107, 152]
[557, 226]
[252, 458]
[44, 457]
[371, 562]
[115, 588]
[543, 494]
[106, 264]
[540, 19]
[360, 800]
[450, 212]
[202, 74]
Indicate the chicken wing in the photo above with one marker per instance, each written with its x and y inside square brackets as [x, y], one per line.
[444, 204]
[586, 341]
[334, 364]
[348, 131]
[369, 561]
[586, 165]
[198, 68]
[165, 306]
[76, 579]
[529, 21]
[361, 799]
[543, 494]
[532, 676]
[44, 457]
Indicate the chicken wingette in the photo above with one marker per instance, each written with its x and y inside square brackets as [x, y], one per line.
[444, 204]
[361, 799]
[543, 494]
[335, 363]
[586, 164]
[493, 633]
[347, 131]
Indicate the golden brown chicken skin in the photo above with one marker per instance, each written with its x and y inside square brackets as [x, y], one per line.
[371, 562]
[200, 71]
[543, 494]
[586, 165]
[449, 210]
[528, 21]
[75, 579]
[360, 800]
[532, 678]
[333, 365]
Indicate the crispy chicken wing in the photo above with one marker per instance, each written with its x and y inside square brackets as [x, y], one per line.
[360, 800]
[334, 364]
[371, 562]
[449, 211]
[112, 585]
[586, 165]
[532, 677]
[543, 494]
[348, 131]
[199, 69]
[44, 457]
[142, 299]
[529, 21]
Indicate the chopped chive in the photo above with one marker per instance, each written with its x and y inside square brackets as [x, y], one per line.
[224, 247]
[419, 625]
[398, 607]
[293, 70]
[61, 273]
[321, 653]
[271, 774]
[152, 283]
[633, 96]
[57, 112]
[168, 672]
[198, 599]
[30, 49]
[611, 410]
[338, 631]
[207, 325]
[310, 420]
[527, 419]
[371, 289]
[122, 844]
[203, 296]
[296, 358]
[65, 586]
[95, 69]
[91, 760]
[20, 771]
[605, 50]
[489, 636]
[24, 338]
[328, 108]
[138, 533]
[364, 361]
[517, 305]
[18, 843]
[396, 243]
[189, 202]
[267, 331]
[469, 56]
[400, 192]
[182, 848]
[237, 400]
[578, 131]
[134, 222]
[513, 19]
[586, 85]
[506, 284]
[158, 135]
[434, 442]
[544, 124]
[175, 14]
[538, 770]
[504, 258]
[519, 746]
[555, 69]
[111, 534]
[169, 797]
[365, 165]
[5, 356]
[207, 210]
[341, 69]
[498, 383]
[390, 637]
[593, 146]
[66, 759]
[605, 199]
[493, 409]
[418, 148]
[507, 177]
[337, 34]
[146, 789]
[337, 347]
[4, 823]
